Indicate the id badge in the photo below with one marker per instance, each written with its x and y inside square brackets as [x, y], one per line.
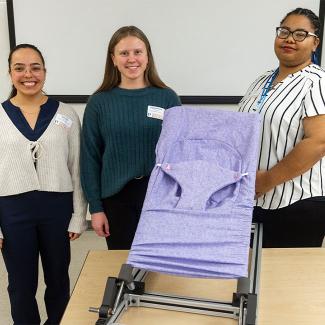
[63, 120]
[155, 112]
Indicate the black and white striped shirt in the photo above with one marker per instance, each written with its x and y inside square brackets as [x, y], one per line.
[299, 95]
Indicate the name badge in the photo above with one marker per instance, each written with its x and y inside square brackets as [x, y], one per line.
[155, 112]
[63, 120]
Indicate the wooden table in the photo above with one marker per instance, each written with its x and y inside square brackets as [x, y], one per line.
[292, 291]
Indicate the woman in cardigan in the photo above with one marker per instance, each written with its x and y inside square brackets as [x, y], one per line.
[121, 126]
[41, 202]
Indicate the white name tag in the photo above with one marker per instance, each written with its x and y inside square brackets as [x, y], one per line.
[155, 112]
[63, 120]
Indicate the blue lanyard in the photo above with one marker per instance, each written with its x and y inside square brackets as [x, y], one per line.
[267, 87]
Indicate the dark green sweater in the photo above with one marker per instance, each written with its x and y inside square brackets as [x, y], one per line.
[119, 140]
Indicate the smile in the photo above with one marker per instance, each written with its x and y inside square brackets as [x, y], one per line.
[132, 67]
[29, 83]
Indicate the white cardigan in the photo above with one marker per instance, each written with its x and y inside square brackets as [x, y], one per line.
[56, 153]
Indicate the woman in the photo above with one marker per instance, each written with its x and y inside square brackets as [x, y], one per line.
[41, 202]
[290, 182]
[121, 126]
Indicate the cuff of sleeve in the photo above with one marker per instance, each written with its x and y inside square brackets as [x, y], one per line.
[1, 235]
[96, 206]
[78, 224]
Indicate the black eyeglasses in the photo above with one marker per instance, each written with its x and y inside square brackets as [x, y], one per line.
[298, 35]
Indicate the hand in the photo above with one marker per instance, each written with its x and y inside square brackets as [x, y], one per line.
[100, 224]
[1, 243]
[257, 195]
[262, 183]
[73, 236]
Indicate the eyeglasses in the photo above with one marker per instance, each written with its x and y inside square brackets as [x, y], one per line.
[298, 34]
[22, 69]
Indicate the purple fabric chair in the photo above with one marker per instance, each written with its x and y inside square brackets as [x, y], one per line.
[197, 214]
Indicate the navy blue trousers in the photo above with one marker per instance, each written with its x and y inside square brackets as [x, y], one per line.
[35, 224]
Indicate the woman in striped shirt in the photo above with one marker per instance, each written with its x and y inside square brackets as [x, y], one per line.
[290, 180]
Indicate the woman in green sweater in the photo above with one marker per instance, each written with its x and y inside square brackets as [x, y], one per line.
[121, 126]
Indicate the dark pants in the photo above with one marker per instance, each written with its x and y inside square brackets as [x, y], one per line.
[301, 224]
[35, 224]
[123, 213]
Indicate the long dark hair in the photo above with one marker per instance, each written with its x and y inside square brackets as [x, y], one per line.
[13, 92]
[112, 77]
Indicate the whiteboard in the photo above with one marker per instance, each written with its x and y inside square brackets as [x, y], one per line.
[202, 49]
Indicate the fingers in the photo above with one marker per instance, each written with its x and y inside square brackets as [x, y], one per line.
[102, 231]
[257, 195]
[106, 228]
[1, 243]
[100, 224]
[73, 236]
[99, 232]
[98, 228]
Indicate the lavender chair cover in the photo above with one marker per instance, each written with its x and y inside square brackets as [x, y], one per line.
[197, 214]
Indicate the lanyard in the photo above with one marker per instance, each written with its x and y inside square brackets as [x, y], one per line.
[267, 87]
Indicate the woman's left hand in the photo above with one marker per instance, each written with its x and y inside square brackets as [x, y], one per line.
[262, 183]
[73, 236]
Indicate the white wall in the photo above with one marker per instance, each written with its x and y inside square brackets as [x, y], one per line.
[4, 45]
[5, 84]
[5, 48]
[4, 78]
